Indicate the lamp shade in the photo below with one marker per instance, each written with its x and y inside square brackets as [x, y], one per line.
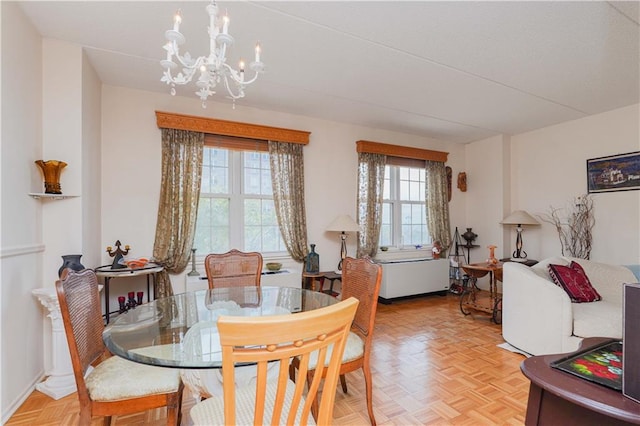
[520, 217]
[343, 223]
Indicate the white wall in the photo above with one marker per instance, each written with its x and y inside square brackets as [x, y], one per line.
[62, 140]
[21, 235]
[91, 161]
[549, 169]
[131, 155]
[487, 176]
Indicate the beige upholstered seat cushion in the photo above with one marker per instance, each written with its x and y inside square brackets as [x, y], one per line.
[597, 319]
[210, 412]
[116, 378]
[354, 349]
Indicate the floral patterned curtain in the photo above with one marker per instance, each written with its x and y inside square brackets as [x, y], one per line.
[370, 187]
[287, 180]
[178, 206]
[437, 203]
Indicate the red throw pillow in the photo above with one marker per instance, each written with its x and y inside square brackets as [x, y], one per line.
[575, 282]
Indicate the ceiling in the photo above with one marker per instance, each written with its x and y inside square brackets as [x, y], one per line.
[455, 71]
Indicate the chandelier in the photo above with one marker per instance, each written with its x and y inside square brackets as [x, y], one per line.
[210, 70]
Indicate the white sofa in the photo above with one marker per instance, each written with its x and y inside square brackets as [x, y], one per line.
[538, 316]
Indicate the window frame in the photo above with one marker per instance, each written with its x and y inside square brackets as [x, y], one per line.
[396, 204]
[236, 198]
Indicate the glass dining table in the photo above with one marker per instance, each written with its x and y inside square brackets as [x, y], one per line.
[180, 331]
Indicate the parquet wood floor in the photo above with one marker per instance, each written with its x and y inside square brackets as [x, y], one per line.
[430, 364]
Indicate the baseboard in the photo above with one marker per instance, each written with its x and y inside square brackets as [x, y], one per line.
[8, 411]
[412, 296]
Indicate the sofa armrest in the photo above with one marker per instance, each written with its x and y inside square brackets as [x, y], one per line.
[536, 314]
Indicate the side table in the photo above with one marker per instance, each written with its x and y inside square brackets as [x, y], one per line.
[482, 300]
[559, 398]
[309, 279]
[107, 273]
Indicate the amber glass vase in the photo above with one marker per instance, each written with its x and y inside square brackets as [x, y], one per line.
[51, 170]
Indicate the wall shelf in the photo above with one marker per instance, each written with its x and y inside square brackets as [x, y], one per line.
[39, 195]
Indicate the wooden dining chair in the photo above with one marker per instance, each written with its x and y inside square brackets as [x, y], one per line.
[276, 339]
[233, 268]
[361, 280]
[114, 386]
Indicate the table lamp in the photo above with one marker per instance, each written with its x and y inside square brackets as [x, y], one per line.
[519, 218]
[343, 224]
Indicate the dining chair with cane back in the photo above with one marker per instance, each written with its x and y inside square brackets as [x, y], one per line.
[233, 268]
[276, 339]
[360, 279]
[114, 386]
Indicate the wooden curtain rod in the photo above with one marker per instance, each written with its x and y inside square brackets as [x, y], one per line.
[401, 151]
[169, 120]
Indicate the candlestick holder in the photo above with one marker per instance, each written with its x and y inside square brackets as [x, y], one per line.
[131, 303]
[193, 272]
[118, 254]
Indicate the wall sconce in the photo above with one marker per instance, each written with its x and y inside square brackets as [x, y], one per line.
[343, 224]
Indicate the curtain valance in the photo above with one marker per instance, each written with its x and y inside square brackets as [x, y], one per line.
[168, 120]
[401, 151]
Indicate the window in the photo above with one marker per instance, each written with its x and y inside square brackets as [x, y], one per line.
[404, 219]
[236, 208]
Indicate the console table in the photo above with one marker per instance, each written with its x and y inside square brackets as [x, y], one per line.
[559, 398]
[107, 274]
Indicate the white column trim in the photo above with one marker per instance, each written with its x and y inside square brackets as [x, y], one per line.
[61, 381]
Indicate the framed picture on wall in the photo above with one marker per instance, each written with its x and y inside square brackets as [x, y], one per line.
[614, 173]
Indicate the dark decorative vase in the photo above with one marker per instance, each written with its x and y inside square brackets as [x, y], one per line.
[312, 262]
[71, 261]
[469, 236]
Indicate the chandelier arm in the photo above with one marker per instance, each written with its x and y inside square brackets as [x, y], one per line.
[194, 66]
[244, 82]
[247, 82]
[231, 94]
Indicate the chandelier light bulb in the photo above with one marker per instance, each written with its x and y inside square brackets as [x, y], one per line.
[225, 24]
[177, 19]
[213, 67]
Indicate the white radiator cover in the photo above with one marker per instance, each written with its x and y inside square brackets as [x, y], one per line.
[409, 277]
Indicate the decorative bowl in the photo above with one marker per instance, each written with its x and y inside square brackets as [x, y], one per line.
[136, 263]
[273, 266]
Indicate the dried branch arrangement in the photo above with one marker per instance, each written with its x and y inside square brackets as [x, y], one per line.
[574, 231]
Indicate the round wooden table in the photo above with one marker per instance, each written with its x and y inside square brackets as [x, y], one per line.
[560, 398]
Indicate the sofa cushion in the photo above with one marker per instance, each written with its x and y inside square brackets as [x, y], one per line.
[574, 281]
[601, 318]
[542, 268]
